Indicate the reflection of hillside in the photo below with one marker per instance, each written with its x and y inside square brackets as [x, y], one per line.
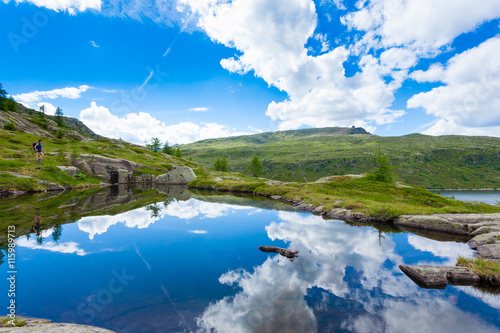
[57, 208]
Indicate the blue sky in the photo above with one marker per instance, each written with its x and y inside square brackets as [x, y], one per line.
[185, 70]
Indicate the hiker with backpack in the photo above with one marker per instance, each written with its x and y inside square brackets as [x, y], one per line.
[37, 146]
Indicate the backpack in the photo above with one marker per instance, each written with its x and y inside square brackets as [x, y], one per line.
[34, 145]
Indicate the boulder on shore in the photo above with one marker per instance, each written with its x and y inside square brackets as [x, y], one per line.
[178, 176]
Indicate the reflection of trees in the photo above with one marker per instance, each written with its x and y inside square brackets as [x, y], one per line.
[155, 210]
[56, 234]
[167, 202]
[3, 251]
[39, 239]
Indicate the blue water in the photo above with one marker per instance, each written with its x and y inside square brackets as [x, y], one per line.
[195, 268]
[489, 197]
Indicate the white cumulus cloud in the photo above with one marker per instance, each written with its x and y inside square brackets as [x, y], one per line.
[141, 127]
[421, 24]
[467, 101]
[30, 98]
[273, 47]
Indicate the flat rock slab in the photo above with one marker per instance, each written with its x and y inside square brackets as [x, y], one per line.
[483, 239]
[35, 325]
[439, 276]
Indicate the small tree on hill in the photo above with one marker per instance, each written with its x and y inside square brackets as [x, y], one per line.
[178, 152]
[221, 164]
[383, 172]
[155, 145]
[3, 97]
[42, 111]
[59, 117]
[10, 104]
[256, 167]
[167, 149]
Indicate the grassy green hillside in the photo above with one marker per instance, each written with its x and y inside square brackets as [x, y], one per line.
[307, 155]
[19, 169]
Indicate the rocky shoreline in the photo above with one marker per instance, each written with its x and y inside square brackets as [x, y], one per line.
[481, 230]
[37, 325]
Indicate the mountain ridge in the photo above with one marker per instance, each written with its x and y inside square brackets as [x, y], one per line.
[451, 161]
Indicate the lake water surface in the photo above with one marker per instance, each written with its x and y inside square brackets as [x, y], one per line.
[191, 264]
[489, 197]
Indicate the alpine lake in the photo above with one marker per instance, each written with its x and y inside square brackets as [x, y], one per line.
[177, 260]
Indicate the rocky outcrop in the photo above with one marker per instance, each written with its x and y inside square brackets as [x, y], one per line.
[23, 124]
[178, 176]
[109, 170]
[121, 171]
[463, 224]
[70, 170]
[439, 276]
[485, 230]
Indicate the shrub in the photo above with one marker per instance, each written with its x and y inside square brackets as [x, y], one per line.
[169, 167]
[221, 164]
[10, 127]
[60, 134]
[75, 154]
[80, 176]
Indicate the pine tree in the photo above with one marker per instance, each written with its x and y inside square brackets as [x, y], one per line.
[10, 104]
[221, 164]
[3, 97]
[155, 145]
[178, 152]
[256, 167]
[167, 149]
[59, 119]
[42, 111]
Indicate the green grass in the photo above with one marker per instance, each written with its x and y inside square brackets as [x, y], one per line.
[488, 270]
[4, 322]
[17, 156]
[307, 155]
[380, 200]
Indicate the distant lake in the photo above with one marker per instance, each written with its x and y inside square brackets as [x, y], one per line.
[489, 197]
[191, 264]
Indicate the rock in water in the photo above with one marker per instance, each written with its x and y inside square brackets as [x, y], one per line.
[290, 254]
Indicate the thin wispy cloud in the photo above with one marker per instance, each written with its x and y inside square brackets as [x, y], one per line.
[146, 81]
[202, 109]
[201, 232]
[94, 44]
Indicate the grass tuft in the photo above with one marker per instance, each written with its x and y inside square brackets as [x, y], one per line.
[488, 270]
